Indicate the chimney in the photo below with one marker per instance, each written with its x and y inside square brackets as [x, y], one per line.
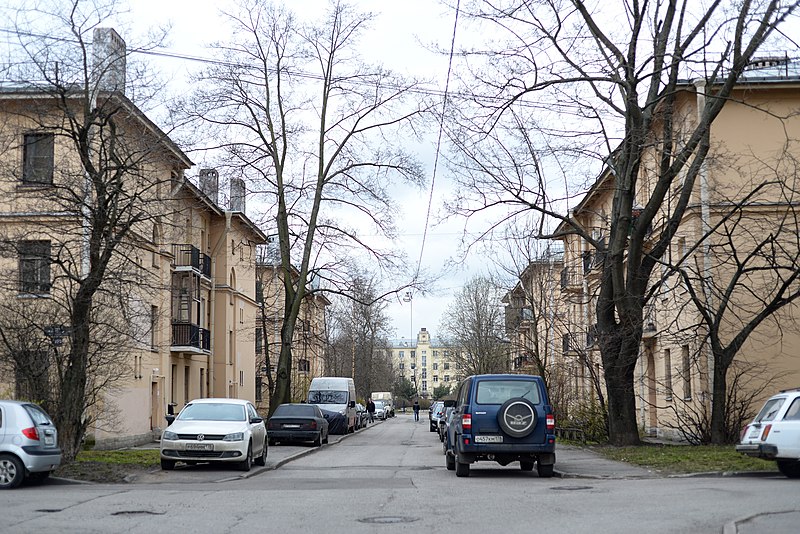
[237, 195]
[209, 183]
[108, 60]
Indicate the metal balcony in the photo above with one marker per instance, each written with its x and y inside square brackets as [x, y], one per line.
[186, 255]
[190, 335]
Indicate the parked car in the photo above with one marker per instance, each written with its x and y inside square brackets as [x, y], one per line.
[435, 406]
[443, 421]
[28, 443]
[438, 413]
[380, 410]
[362, 417]
[774, 434]
[215, 430]
[298, 422]
[503, 418]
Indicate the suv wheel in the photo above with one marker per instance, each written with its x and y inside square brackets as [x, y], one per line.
[462, 469]
[517, 417]
[11, 471]
[449, 461]
[526, 465]
[545, 471]
[789, 468]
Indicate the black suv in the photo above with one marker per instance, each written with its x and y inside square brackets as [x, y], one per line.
[502, 418]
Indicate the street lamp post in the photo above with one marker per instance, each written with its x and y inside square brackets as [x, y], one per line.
[408, 297]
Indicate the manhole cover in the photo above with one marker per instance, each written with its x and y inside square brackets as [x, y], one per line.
[388, 520]
[571, 488]
[137, 512]
[49, 510]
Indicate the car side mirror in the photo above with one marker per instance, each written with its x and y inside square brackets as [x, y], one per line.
[256, 420]
[170, 418]
[352, 404]
[449, 403]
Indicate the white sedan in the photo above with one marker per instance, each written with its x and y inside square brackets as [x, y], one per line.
[215, 430]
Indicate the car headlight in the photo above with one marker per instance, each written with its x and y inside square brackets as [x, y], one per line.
[169, 435]
[342, 412]
[236, 436]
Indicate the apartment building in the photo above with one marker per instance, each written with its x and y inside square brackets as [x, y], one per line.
[753, 144]
[426, 361]
[173, 315]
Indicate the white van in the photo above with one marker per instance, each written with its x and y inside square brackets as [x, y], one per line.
[335, 394]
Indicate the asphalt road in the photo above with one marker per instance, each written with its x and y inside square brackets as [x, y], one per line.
[391, 477]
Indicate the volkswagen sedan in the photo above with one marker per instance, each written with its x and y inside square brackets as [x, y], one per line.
[215, 430]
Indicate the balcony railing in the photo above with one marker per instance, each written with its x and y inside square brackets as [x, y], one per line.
[190, 256]
[571, 279]
[190, 335]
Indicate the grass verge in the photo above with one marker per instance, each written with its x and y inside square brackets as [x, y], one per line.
[685, 459]
[109, 466]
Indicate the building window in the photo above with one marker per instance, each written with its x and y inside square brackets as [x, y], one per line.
[153, 327]
[186, 371]
[668, 373]
[241, 315]
[447, 378]
[259, 385]
[435, 378]
[259, 340]
[202, 382]
[446, 365]
[34, 267]
[402, 365]
[687, 373]
[241, 378]
[402, 353]
[435, 366]
[38, 159]
[304, 366]
[413, 354]
[259, 291]
[424, 385]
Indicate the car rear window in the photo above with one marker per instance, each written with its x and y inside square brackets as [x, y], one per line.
[295, 410]
[37, 415]
[213, 412]
[793, 413]
[499, 391]
[770, 409]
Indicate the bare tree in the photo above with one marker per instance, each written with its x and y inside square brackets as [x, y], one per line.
[313, 130]
[572, 82]
[89, 183]
[360, 339]
[474, 324]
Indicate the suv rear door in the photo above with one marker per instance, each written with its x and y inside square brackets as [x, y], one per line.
[491, 395]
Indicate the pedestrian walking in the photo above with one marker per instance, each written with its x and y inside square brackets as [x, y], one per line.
[416, 410]
[371, 410]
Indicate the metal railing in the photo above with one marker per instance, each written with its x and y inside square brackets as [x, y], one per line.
[186, 255]
[190, 335]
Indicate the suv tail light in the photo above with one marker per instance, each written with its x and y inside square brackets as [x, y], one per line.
[551, 421]
[765, 433]
[466, 421]
[31, 433]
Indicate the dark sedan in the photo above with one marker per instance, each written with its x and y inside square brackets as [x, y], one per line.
[298, 422]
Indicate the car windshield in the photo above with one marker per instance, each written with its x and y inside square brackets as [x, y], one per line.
[327, 397]
[499, 391]
[378, 404]
[770, 409]
[294, 410]
[207, 411]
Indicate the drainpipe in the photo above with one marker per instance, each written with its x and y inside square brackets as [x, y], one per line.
[705, 216]
[211, 327]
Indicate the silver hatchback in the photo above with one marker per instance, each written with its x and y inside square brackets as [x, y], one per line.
[28, 443]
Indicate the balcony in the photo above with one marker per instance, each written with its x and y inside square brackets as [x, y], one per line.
[190, 335]
[571, 280]
[190, 256]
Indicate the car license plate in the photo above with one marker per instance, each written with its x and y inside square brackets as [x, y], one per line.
[291, 426]
[488, 439]
[49, 440]
[754, 433]
[199, 446]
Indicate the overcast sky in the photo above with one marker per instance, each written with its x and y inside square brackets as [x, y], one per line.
[398, 40]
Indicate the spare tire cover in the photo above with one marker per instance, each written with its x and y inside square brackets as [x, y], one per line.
[517, 417]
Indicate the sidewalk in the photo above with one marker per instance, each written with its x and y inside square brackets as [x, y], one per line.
[577, 462]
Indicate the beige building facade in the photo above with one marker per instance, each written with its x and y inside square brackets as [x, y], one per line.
[753, 144]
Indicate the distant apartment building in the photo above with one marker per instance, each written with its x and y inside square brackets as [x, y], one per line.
[175, 321]
[752, 140]
[426, 361]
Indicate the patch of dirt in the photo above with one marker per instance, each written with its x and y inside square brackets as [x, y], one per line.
[101, 472]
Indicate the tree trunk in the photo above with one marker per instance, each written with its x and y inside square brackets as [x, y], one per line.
[283, 378]
[719, 400]
[619, 363]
